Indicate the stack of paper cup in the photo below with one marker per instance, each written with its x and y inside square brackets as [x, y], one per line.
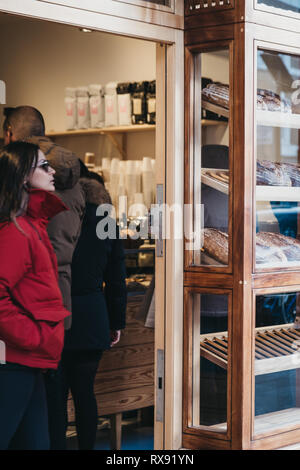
[147, 177]
[138, 169]
[139, 209]
[106, 169]
[130, 181]
[114, 179]
[121, 192]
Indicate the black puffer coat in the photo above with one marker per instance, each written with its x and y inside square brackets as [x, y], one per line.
[98, 280]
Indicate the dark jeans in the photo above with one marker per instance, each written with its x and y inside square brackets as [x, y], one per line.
[56, 410]
[23, 408]
[79, 371]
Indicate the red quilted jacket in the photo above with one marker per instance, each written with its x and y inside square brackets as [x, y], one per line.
[31, 307]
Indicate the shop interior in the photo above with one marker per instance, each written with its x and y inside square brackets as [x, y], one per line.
[52, 67]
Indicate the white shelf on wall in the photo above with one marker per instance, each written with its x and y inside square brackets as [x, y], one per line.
[120, 129]
[103, 130]
[277, 119]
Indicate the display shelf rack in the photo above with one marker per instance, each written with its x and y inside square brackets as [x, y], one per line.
[263, 193]
[277, 119]
[276, 348]
[209, 176]
[216, 109]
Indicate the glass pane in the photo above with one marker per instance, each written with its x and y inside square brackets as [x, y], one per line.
[209, 399]
[278, 160]
[211, 157]
[291, 6]
[277, 362]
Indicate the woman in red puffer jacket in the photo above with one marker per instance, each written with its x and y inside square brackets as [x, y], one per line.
[31, 307]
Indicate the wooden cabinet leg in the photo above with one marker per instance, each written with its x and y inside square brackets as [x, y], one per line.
[115, 431]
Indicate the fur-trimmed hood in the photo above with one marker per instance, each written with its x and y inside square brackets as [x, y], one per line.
[95, 192]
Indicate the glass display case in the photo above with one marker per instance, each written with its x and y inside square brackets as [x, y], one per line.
[277, 164]
[242, 269]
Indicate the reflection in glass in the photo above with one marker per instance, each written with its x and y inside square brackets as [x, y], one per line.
[210, 357]
[278, 164]
[291, 6]
[277, 362]
[211, 160]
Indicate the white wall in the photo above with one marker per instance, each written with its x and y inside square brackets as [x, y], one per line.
[39, 59]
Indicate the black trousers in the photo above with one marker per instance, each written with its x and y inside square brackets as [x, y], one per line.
[23, 409]
[79, 370]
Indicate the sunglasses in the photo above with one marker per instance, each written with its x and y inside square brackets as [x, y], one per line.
[45, 166]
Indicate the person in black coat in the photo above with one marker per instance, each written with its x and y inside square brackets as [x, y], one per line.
[99, 310]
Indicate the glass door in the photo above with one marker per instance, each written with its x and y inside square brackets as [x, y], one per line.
[278, 160]
[209, 161]
[277, 362]
[208, 341]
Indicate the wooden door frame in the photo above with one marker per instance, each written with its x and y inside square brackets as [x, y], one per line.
[169, 151]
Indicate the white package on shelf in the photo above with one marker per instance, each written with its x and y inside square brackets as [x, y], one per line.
[111, 104]
[131, 181]
[97, 105]
[124, 109]
[105, 164]
[70, 108]
[83, 107]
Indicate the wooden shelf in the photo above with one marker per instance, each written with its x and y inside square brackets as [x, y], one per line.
[277, 119]
[212, 181]
[216, 109]
[104, 130]
[121, 129]
[276, 349]
[263, 193]
[208, 123]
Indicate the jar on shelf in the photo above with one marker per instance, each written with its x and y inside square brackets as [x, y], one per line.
[151, 103]
[139, 105]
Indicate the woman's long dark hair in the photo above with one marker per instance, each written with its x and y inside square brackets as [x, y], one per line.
[17, 159]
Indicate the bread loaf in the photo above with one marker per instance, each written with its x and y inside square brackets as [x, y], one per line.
[216, 244]
[217, 93]
[269, 101]
[293, 172]
[271, 248]
[272, 174]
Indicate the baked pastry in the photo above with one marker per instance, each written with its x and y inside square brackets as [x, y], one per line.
[286, 249]
[271, 248]
[272, 174]
[217, 93]
[269, 101]
[292, 171]
[216, 244]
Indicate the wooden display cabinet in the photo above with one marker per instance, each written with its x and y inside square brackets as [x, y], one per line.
[242, 248]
